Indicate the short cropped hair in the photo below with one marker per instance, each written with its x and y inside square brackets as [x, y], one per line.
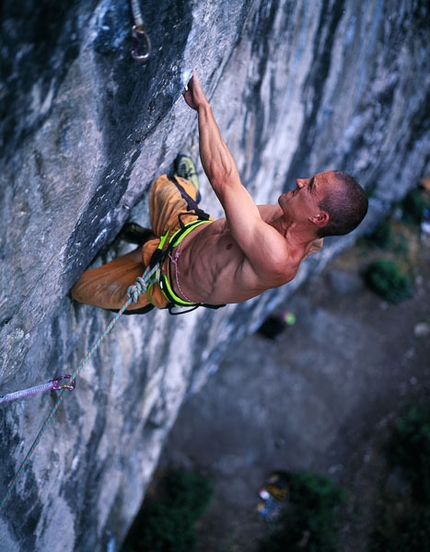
[346, 206]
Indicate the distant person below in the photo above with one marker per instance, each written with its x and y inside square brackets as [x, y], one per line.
[213, 262]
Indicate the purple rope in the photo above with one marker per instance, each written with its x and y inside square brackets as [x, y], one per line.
[52, 384]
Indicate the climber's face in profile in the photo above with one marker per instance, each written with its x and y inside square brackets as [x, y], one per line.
[303, 202]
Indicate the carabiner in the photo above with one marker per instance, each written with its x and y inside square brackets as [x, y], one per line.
[138, 33]
[68, 386]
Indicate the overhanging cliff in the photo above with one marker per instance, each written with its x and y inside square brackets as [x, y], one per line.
[297, 88]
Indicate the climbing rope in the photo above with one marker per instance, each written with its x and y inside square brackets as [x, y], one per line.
[133, 293]
[139, 34]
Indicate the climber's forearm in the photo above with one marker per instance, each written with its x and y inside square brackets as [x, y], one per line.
[217, 161]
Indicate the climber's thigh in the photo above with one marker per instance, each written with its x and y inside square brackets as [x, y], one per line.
[106, 286]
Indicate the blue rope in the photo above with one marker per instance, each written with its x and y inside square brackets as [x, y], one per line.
[133, 293]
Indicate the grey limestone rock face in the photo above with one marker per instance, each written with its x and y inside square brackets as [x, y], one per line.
[297, 88]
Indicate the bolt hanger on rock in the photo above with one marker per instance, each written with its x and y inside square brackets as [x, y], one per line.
[139, 35]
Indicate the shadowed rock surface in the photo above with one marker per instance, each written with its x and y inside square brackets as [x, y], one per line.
[297, 88]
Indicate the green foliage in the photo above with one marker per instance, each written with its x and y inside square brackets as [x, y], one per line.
[384, 277]
[406, 530]
[168, 525]
[310, 516]
[382, 236]
[388, 238]
[413, 205]
[410, 450]
[167, 529]
[189, 492]
[404, 523]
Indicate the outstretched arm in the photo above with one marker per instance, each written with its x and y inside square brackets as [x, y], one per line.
[263, 246]
[217, 161]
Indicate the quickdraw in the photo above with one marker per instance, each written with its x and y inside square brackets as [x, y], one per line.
[133, 294]
[139, 35]
[57, 384]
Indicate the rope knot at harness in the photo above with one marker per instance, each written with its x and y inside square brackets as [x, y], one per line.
[136, 290]
[142, 283]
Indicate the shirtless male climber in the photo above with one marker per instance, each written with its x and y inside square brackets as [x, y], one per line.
[232, 259]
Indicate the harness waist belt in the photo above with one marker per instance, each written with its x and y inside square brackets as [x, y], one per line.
[160, 255]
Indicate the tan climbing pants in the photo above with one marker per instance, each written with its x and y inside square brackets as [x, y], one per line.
[107, 285]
